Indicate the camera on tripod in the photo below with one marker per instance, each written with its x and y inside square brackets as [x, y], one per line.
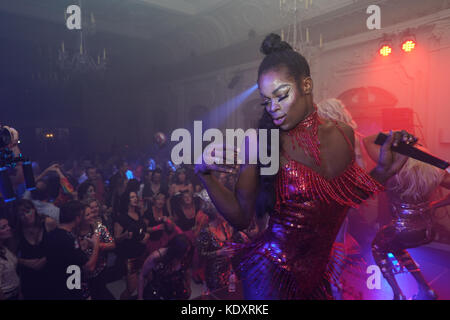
[8, 162]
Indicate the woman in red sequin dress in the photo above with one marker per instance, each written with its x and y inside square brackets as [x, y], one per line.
[318, 180]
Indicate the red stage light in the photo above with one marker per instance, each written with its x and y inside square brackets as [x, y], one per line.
[408, 45]
[385, 50]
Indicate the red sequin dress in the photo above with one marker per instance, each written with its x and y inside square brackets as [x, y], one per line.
[295, 258]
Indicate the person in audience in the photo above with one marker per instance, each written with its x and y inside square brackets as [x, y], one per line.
[116, 195]
[102, 213]
[154, 218]
[40, 199]
[211, 245]
[122, 168]
[181, 183]
[94, 283]
[32, 233]
[130, 232]
[96, 179]
[187, 213]
[153, 185]
[9, 279]
[61, 186]
[166, 272]
[64, 256]
[86, 191]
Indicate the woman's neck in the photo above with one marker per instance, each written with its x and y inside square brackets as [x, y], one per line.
[132, 211]
[308, 112]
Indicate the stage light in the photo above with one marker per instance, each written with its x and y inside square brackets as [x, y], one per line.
[408, 45]
[385, 50]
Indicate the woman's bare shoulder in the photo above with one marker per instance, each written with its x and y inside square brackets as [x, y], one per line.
[333, 129]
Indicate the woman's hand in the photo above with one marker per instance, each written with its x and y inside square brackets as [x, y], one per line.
[146, 237]
[390, 162]
[84, 245]
[94, 241]
[215, 158]
[156, 228]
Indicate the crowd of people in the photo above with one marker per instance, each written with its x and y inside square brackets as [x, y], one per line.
[160, 227]
[152, 226]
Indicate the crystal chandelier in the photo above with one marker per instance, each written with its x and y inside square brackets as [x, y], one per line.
[294, 33]
[81, 61]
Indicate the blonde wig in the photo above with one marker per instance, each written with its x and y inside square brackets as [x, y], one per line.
[335, 109]
[415, 181]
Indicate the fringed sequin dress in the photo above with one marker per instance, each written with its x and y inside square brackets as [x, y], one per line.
[295, 257]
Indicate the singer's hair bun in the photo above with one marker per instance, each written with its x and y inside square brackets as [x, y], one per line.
[273, 43]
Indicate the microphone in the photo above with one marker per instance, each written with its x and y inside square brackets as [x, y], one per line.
[413, 152]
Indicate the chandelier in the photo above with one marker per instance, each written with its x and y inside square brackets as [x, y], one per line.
[294, 33]
[81, 61]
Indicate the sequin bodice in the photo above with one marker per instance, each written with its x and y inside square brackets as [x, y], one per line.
[310, 209]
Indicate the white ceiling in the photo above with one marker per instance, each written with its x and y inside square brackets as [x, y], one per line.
[179, 28]
[189, 7]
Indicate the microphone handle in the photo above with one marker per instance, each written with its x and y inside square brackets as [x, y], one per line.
[413, 152]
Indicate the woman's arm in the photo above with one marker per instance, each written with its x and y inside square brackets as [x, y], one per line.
[145, 272]
[204, 246]
[201, 220]
[107, 246]
[373, 150]
[238, 207]
[92, 262]
[390, 162]
[145, 239]
[119, 233]
[176, 229]
[158, 227]
[53, 167]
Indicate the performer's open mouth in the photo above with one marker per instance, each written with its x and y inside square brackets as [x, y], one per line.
[279, 121]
